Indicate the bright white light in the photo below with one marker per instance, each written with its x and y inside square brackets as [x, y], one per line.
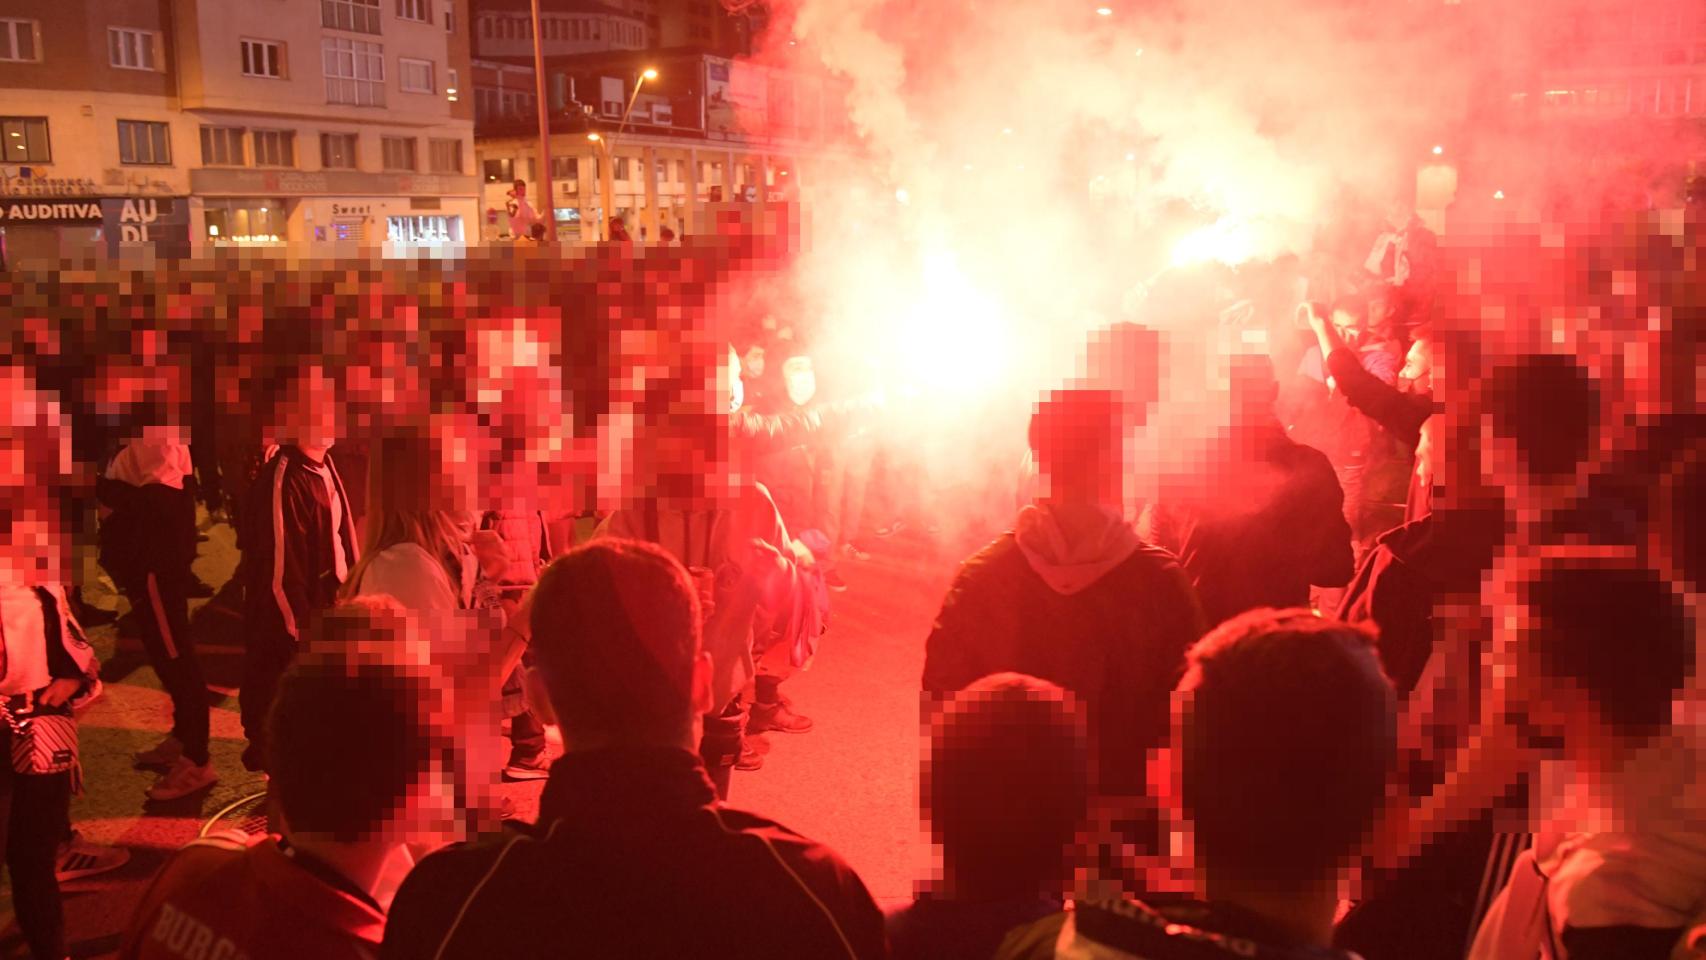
[1498, 194]
[1226, 240]
[902, 197]
[1438, 149]
[1007, 131]
[958, 339]
[1105, 11]
[1131, 156]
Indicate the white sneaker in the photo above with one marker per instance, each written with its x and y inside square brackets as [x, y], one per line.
[183, 779]
[162, 754]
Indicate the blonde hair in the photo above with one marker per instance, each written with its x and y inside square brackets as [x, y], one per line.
[401, 473]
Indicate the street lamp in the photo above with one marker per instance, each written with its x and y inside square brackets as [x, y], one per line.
[545, 192]
[607, 150]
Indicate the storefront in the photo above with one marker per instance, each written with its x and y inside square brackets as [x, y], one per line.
[74, 227]
[336, 208]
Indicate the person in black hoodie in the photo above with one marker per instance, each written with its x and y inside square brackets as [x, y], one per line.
[1073, 596]
[298, 541]
[148, 541]
[633, 855]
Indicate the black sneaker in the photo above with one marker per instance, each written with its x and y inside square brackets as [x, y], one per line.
[534, 766]
[779, 717]
[833, 581]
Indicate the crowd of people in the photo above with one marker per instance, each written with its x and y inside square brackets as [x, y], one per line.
[1401, 662]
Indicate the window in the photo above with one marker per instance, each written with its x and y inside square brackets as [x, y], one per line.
[621, 168]
[24, 139]
[275, 148]
[446, 156]
[450, 17]
[252, 221]
[263, 58]
[130, 49]
[532, 168]
[144, 142]
[415, 76]
[355, 72]
[431, 228]
[453, 86]
[359, 16]
[564, 168]
[222, 146]
[418, 10]
[399, 152]
[499, 171]
[18, 40]
[337, 151]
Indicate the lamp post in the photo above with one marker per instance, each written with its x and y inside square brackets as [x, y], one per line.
[547, 195]
[607, 149]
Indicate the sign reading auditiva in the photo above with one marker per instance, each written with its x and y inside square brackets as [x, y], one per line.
[50, 211]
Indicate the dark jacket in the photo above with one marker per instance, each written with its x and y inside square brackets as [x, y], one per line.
[1409, 571]
[633, 857]
[152, 529]
[1118, 644]
[289, 569]
[935, 928]
[1402, 413]
[1256, 529]
[1168, 928]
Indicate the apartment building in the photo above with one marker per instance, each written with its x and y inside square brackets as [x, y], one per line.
[182, 124]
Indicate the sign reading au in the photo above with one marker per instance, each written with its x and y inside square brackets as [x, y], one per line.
[162, 223]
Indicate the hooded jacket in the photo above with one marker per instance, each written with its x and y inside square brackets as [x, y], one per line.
[1103, 615]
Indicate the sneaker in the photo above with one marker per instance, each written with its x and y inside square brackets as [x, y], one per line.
[183, 779]
[129, 626]
[833, 581]
[889, 529]
[78, 858]
[521, 766]
[162, 754]
[779, 717]
[852, 552]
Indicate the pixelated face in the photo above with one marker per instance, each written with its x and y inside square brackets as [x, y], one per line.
[311, 414]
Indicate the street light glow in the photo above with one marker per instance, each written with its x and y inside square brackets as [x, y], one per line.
[593, 137]
[650, 74]
[1105, 11]
[1438, 149]
[1498, 194]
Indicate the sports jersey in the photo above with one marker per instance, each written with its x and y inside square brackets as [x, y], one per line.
[226, 897]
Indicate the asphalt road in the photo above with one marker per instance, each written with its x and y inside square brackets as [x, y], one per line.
[851, 782]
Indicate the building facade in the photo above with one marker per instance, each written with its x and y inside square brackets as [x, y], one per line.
[705, 131]
[176, 125]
